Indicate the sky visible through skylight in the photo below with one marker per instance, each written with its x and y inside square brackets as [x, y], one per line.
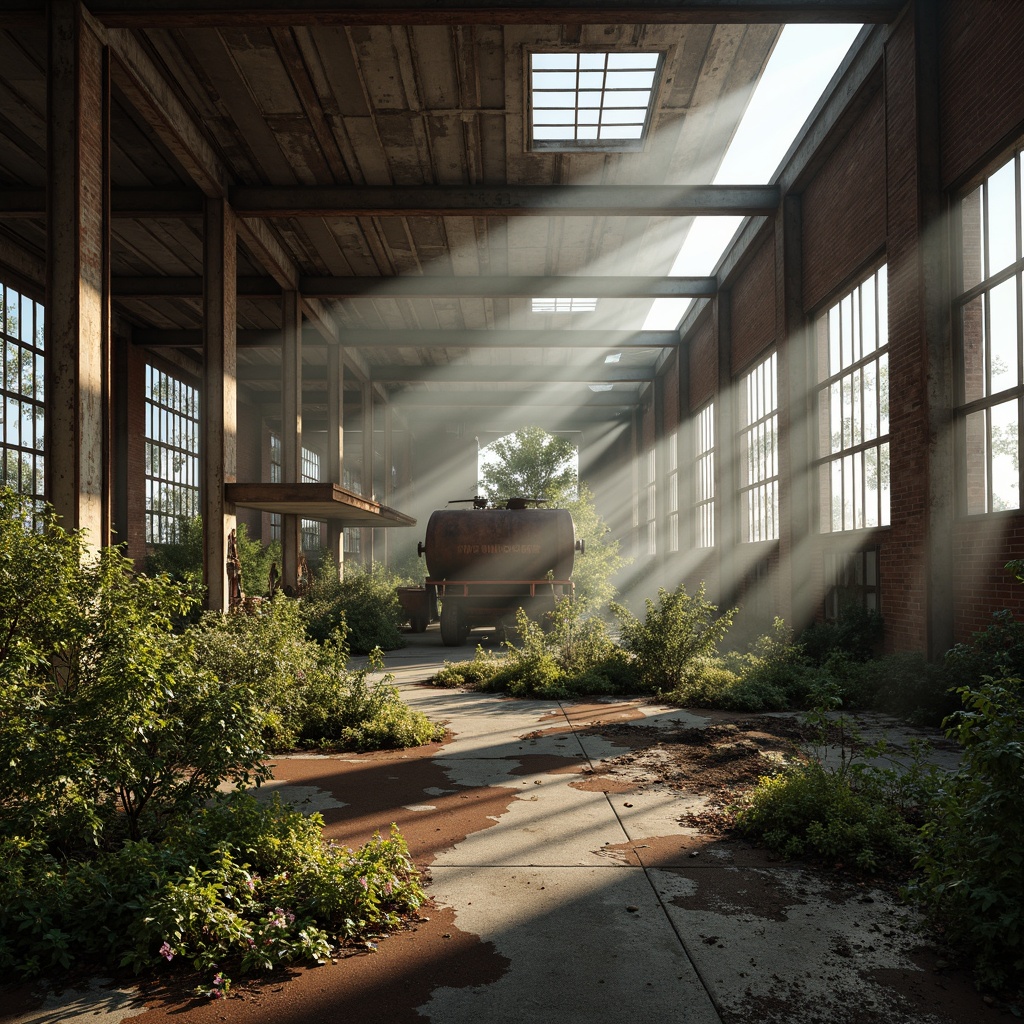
[801, 65]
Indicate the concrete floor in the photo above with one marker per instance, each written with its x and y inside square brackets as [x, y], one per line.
[574, 902]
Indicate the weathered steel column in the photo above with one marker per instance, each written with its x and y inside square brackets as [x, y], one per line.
[367, 473]
[291, 430]
[727, 502]
[218, 430]
[336, 446]
[78, 272]
[795, 416]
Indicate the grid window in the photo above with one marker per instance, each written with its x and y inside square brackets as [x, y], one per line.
[172, 455]
[672, 491]
[591, 100]
[311, 540]
[704, 466]
[987, 317]
[651, 503]
[852, 582]
[759, 452]
[22, 384]
[562, 305]
[852, 397]
[275, 478]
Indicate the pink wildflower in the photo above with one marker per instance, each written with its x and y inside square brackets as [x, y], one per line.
[166, 952]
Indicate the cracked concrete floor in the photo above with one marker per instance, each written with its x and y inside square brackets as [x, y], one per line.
[566, 887]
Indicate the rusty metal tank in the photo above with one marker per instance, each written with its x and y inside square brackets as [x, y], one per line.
[500, 544]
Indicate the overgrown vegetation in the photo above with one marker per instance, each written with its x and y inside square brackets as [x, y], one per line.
[364, 602]
[117, 727]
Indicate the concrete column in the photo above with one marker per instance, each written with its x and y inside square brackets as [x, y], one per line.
[336, 446]
[727, 506]
[934, 297]
[218, 429]
[367, 473]
[291, 429]
[795, 417]
[77, 426]
[388, 496]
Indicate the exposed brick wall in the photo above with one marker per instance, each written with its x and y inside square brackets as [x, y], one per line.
[904, 557]
[981, 549]
[753, 307]
[670, 377]
[982, 87]
[703, 362]
[844, 207]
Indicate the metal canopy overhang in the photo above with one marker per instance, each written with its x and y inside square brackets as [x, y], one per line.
[316, 501]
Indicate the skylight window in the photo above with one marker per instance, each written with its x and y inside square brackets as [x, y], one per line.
[591, 100]
[563, 305]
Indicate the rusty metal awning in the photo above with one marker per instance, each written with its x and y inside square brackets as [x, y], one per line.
[316, 501]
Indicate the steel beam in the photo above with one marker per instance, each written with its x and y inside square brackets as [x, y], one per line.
[506, 201]
[250, 13]
[412, 338]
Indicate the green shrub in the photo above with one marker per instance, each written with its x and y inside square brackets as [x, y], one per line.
[305, 691]
[810, 811]
[971, 880]
[472, 674]
[237, 885]
[996, 650]
[181, 559]
[856, 634]
[256, 559]
[365, 600]
[677, 639]
[108, 722]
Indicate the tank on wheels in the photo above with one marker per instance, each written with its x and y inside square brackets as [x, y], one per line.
[485, 563]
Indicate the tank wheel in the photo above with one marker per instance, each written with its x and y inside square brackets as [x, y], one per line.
[453, 625]
[418, 623]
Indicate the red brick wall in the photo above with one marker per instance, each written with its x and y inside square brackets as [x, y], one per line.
[904, 558]
[753, 307]
[981, 549]
[703, 363]
[844, 208]
[982, 85]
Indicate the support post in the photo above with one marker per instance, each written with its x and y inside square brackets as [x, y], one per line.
[291, 430]
[367, 473]
[218, 427]
[727, 505]
[77, 426]
[336, 447]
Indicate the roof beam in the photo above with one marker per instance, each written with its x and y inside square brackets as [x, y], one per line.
[568, 395]
[462, 373]
[412, 338]
[403, 201]
[247, 13]
[605, 286]
[507, 201]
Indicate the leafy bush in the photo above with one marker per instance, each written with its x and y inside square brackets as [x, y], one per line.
[256, 559]
[237, 885]
[996, 650]
[810, 811]
[365, 600]
[305, 691]
[971, 866]
[677, 640]
[181, 559]
[571, 653]
[107, 719]
[856, 635]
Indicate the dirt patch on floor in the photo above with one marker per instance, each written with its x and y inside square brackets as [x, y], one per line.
[719, 762]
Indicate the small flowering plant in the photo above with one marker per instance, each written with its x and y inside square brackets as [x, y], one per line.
[274, 893]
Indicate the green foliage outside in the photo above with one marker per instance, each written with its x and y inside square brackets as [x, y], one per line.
[117, 728]
[365, 602]
[530, 463]
[594, 569]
